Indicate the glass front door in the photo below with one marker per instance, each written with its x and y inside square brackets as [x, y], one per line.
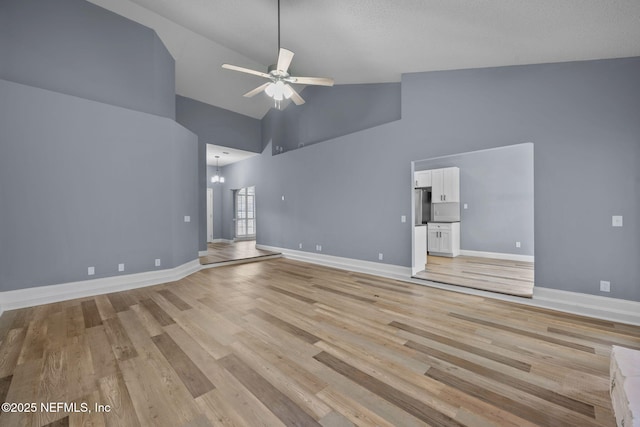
[246, 213]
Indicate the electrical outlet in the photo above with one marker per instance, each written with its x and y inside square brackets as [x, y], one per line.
[187, 218]
[319, 248]
[380, 256]
[605, 286]
[91, 271]
[465, 206]
[283, 198]
[158, 262]
[616, 221]
[299, 245]
[120, 267]
[518, 244]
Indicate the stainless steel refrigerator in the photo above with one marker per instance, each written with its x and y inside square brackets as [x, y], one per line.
[422, 207]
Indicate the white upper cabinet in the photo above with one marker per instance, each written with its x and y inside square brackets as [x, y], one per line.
[422, 179]
[445, 185]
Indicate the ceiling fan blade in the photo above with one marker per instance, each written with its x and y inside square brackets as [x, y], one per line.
[284, 59]
[318, 81]
[295, 96]
[256, 90]
[245, 70]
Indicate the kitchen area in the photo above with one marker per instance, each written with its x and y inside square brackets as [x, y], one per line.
[436, 215]
[473, 219]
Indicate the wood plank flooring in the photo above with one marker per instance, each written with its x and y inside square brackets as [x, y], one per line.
[488, 274]
[285, 343]
[235, 251]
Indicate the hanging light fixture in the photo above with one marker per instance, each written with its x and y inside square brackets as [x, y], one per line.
[280, 80]
[217, 177]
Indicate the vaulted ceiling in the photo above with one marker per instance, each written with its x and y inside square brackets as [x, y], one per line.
[370, 41]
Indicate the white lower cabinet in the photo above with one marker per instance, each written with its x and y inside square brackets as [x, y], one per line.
[443, 238]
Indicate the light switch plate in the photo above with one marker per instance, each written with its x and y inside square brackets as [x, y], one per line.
[616, 221]
[158, 262]
[120, 267]
[187, 218]
[605, 286]
[91, 271]
[403, 218]
[465, 206]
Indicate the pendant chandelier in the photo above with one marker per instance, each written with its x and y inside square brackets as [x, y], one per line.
[217, 177]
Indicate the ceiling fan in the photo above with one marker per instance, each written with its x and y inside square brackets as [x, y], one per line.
[279, 85]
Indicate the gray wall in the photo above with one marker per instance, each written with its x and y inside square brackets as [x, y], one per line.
[89, 184]
[583, 117]
[94, 171]
[77, 48]
[218, 126]
[497, 186]
[330, 112]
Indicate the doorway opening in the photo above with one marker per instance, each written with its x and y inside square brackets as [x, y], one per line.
[242, 248]
[473, 219]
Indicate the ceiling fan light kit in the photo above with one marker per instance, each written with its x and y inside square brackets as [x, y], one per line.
[279, 88]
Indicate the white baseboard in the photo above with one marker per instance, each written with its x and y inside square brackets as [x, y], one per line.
[605, 308]
[29, 297]
[203, 253]
[221, 241]
[600, 307]
[498, 255]
[386, 270]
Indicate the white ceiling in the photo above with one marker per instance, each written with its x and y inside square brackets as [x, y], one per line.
[369, 41]
[227, 155]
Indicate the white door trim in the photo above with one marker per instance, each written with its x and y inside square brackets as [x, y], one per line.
[209, 215]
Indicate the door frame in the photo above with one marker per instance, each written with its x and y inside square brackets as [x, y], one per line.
[235, 214]
[210, 215]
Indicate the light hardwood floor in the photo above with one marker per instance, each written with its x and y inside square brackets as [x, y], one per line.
[494, 275]
[234, 251]
[282, 342]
